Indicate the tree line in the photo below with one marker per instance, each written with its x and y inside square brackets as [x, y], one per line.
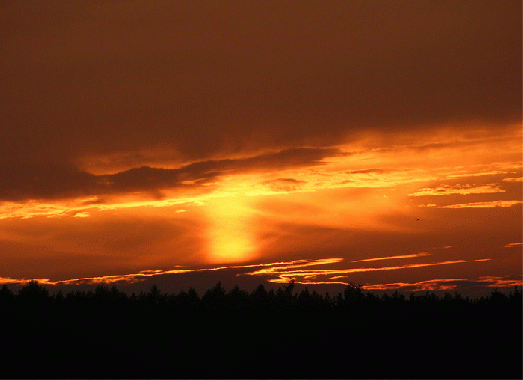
[105, 332]
[218, 298]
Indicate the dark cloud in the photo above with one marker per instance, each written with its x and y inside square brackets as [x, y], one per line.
[202, 78]
[369, 171]
[30, 181]
[25, 180]
[284, 184]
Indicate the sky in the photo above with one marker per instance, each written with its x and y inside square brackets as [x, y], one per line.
[179, 142]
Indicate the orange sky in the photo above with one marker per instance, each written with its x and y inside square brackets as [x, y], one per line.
[367, 142]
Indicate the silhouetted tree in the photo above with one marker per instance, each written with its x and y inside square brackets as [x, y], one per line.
[214, 298]
[59, 297]
[397, 297]
[353, 294]
[154, 296]
[497, 298]
[259, 297]
[288, 290]
[33, 294]
[6, 296]
[303, 300]
[237, 299]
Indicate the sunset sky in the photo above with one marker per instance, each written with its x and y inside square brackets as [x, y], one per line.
[333, 142]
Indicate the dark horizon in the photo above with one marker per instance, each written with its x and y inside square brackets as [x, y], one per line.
[258, 334]
[202, 281]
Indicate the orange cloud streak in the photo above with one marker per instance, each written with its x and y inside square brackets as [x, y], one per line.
[510, 245]
[498, 282]
[286, 273]
[487, 204]
[421, 254]
[287, 270]
[461, 190]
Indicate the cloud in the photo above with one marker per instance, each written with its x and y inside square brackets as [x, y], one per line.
[284, 274]
[486, 204]
[370, 171]
[276, 272]
[83, 206]
[458, 189]
[421, 254]
[500, 281]
[28, 181]
[434, 284]
[510, 245]
[198, 81]
[284, 184]
[141, 275]
[448, 284]
[333, 272]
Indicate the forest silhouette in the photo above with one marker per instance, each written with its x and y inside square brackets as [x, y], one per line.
[104, 332]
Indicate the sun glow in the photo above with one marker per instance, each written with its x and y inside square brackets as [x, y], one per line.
[231, 238]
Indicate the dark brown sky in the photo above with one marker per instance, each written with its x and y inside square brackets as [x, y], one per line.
[226, 76]
[259, 128]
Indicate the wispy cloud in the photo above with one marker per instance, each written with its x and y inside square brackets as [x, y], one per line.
[277, 272]
[283, 274]
[82, 206]
[435, 284]
[458, 189]
[110, 279]
[478, 174]
[303, 271]
[486, 204]
[421, 254]
[511, 245]
[447, 284]
[500, 282]
[142, 275]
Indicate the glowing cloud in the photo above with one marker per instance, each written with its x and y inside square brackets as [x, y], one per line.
[499, 282]
[435, 284]
[283, 274]
[486, 204]
[421, 254]
[511, 245]
[462, 190]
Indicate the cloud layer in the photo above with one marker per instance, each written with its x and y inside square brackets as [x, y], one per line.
[86, 78]
[137, 136]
